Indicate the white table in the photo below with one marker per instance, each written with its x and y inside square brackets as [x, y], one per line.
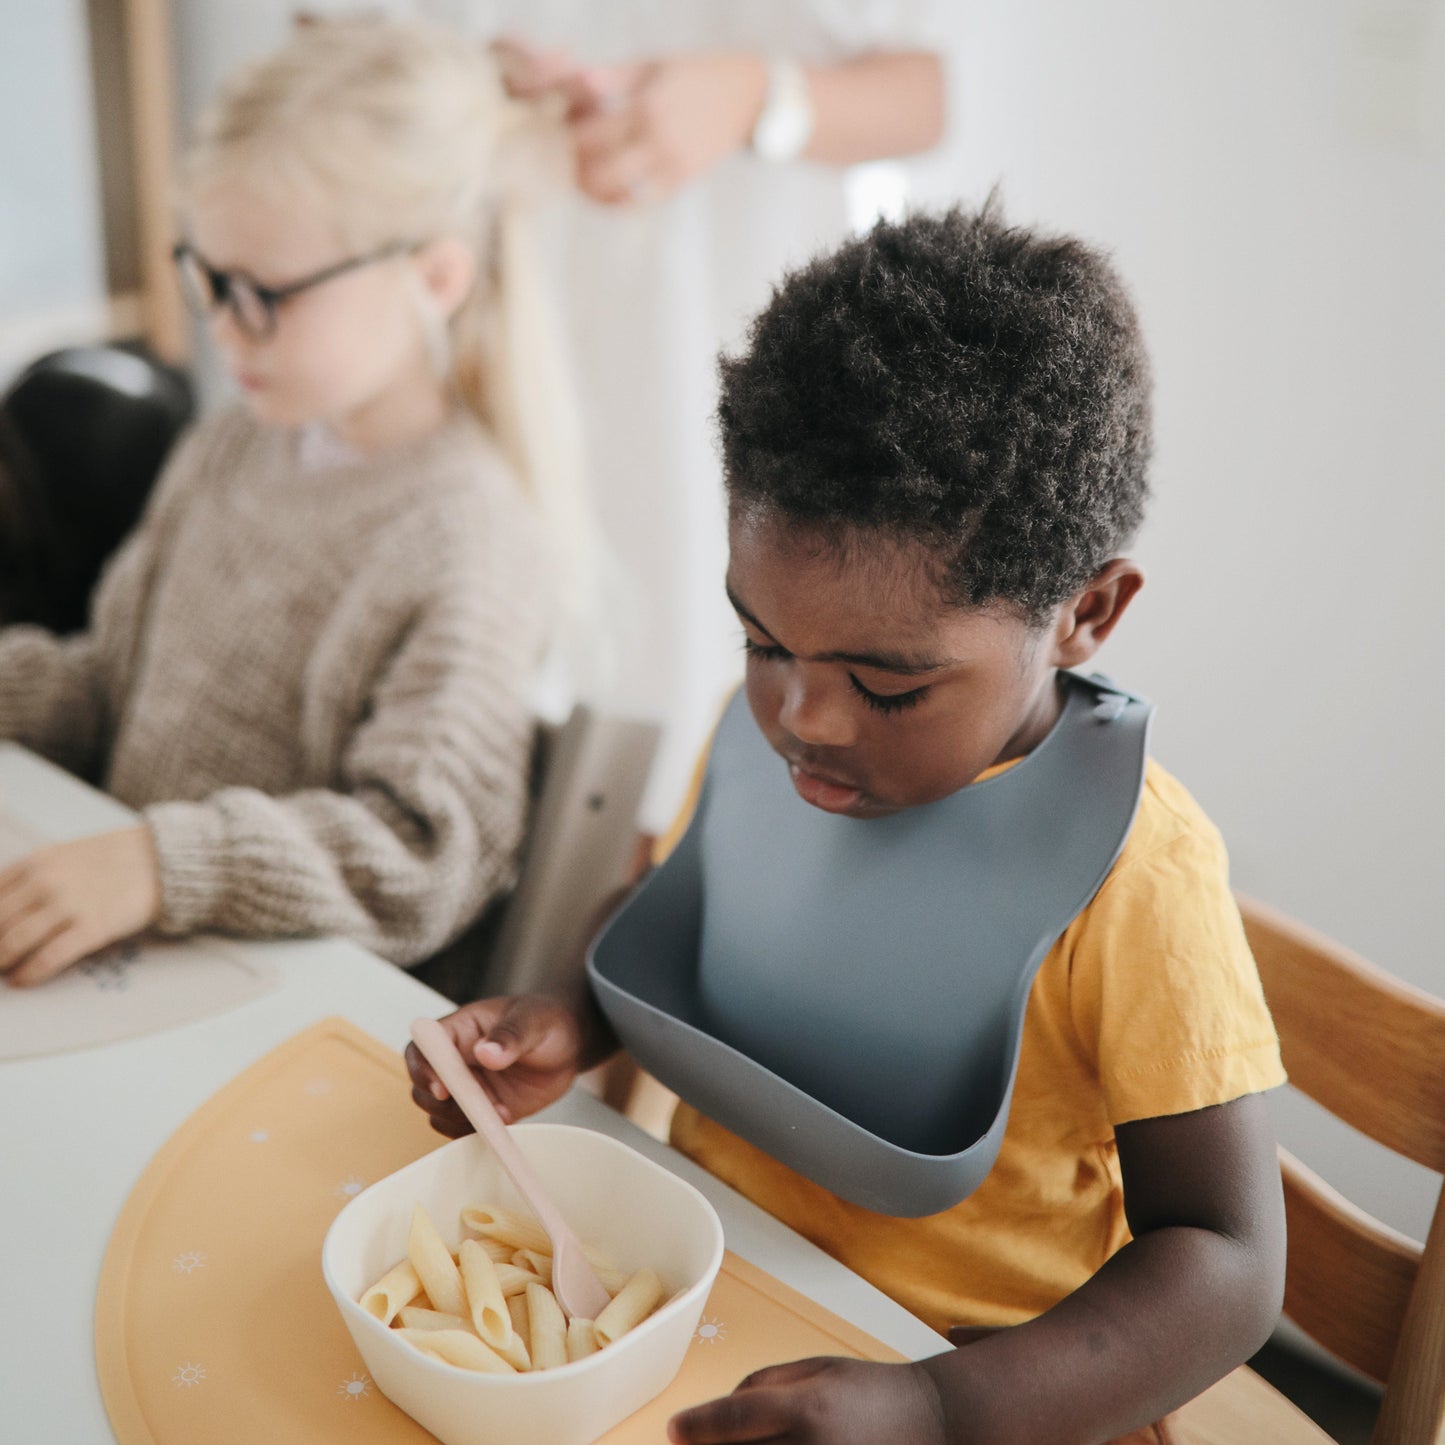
[77, 1130]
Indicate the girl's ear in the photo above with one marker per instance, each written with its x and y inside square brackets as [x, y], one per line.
[1086, 620]
[448, 268]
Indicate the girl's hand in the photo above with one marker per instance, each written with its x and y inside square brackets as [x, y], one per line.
[63, 903]
[525, 1051]
[840, 1402]
[652, 127]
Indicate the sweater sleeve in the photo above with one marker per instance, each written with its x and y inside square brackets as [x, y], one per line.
[51, 699]
[422, 825]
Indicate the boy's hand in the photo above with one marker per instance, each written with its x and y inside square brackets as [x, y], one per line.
[525, 1051]
[823, 1400]
[62, 903]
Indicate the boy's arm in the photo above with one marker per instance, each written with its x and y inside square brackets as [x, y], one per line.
[1195, 1292]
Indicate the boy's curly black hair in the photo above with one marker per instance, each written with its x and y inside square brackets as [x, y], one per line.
[950, 378]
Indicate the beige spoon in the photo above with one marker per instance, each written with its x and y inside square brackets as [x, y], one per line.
[576, 1286]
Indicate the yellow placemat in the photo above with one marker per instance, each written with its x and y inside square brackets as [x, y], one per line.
[213, 1322]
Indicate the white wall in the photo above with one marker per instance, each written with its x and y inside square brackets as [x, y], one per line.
[52, 280]
[1271, 180]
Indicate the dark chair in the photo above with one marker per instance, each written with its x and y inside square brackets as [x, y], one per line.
[83, 435]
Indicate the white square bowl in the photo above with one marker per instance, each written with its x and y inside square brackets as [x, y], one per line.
[631, 1209]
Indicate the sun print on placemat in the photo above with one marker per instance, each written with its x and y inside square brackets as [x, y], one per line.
[188, 1261]
[358, 1387]
[349, 1187]
[187, 1377]
[710, 1331]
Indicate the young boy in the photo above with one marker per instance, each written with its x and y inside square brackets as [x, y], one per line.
[935, 447]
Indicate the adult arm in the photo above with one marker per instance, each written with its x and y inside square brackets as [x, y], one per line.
[645, 129]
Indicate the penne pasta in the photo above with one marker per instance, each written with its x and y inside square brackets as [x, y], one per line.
[633, 1303]
[517, 1308]
[489, 1307]
[397, 1287]
[506, 1226]
[514, 1279]
[460, 1348]
[496, 1250]
[514, 1352]
[434, 1265]
[415, 1318]
[486, 1304]
[610, 1278]
[540, 1264]
[547, 1334]
[581, 1339]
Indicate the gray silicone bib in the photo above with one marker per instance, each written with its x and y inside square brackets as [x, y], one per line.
[849, 994]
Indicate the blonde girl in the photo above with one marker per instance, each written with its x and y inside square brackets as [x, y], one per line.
[310, 667]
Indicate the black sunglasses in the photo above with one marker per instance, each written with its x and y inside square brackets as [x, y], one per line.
[253, 305]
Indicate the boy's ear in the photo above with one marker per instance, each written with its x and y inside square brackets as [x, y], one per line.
[448, 268]
[1087, 619]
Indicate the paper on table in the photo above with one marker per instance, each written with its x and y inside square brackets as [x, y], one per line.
[137, 987]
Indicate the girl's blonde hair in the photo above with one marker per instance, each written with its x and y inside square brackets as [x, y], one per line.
[405, 133]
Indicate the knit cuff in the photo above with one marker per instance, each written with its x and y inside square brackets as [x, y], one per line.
[190, 843]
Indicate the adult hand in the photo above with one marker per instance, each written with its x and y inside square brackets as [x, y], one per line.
[62, 903]
[840, 1402]
[525, 1052]
[652, 127]
[530, 73]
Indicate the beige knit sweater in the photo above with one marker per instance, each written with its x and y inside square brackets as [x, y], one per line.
[312, 677]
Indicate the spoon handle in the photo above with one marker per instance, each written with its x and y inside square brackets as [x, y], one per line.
[473, 1100]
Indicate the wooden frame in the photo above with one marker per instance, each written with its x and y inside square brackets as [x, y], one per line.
[1371, 1050]
[135, 118]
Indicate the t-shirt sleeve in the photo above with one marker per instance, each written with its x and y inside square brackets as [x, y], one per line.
[1163, 988]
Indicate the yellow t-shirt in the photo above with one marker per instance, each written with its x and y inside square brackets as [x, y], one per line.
[1149, 1004]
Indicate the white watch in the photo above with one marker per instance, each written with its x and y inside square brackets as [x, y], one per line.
[785, 127]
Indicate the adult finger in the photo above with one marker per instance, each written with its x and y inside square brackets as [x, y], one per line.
[528, 71]
[59, 950]
[603, 133]
[630, 174]
[596, 90]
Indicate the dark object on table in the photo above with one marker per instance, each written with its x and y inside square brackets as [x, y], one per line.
[83, 435]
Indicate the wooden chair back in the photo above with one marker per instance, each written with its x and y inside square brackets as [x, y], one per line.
[1371, 1050]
